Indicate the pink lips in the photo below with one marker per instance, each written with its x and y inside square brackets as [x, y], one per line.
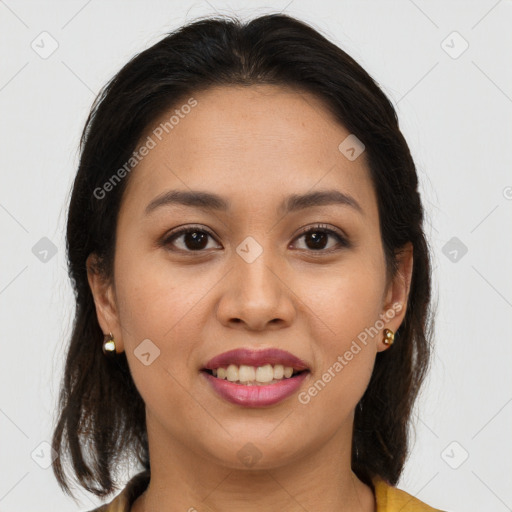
[256, 396]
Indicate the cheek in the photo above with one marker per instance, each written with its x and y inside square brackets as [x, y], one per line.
[345, 311]
[159, 305]
[154, 298]
[156, 303]
[347, 300]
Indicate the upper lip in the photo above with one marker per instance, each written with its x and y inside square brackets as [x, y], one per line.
[250, 357]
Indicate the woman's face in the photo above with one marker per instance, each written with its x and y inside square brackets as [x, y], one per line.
[248, 277]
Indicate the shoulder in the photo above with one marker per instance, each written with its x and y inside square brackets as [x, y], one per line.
[391, 499]
[124, 500]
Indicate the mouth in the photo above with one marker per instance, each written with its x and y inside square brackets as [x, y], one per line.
[255, 378]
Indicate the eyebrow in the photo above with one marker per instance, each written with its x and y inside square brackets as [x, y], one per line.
[293, 203]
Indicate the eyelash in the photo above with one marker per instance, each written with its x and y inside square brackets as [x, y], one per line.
[319, 228]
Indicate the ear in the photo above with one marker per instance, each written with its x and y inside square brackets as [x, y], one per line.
[105, 301]
[397, 293]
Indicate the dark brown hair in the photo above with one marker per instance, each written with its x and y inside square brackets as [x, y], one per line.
[101, 419]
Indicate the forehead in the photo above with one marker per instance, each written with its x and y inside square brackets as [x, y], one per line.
[261, 141]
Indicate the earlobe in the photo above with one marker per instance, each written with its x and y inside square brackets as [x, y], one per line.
[104, 299]
[395, 305]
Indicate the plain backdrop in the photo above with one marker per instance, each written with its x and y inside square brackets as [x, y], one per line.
[446, 67]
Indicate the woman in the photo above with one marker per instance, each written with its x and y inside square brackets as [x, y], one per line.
[252, 280]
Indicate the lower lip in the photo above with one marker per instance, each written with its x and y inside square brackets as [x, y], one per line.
[256, 396]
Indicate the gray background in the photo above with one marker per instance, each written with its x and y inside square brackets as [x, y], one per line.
[455, 109]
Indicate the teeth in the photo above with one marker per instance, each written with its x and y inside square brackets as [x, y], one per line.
[264, 373]
[278, 371]
[232, 373]
[246, 373]
[249, 374]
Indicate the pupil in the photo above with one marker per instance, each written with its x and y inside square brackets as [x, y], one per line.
[196, 238]
[316, 237]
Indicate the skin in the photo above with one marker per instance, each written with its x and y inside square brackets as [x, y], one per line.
[254, 146]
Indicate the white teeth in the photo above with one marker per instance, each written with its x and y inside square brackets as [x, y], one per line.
[246, 373]
[232, 373]
[264, 373]
[249, 374]
[278, 371]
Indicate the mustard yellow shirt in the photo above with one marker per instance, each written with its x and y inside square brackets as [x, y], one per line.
[387, 497]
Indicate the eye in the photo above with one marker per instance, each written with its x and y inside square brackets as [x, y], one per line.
[194, 239]
[316, 237]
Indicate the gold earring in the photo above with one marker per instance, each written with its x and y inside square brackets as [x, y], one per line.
[109, 345]
[389, 337]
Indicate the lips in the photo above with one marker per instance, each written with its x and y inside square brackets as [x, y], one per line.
[252, 393]
[249, 357]
[255, 396]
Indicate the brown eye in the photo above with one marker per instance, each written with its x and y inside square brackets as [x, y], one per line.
[195, 239]
[192, 239]
[316, 238]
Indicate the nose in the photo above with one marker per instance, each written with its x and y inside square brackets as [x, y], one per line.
[255, 295]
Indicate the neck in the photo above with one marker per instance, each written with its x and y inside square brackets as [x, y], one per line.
[320, 479]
